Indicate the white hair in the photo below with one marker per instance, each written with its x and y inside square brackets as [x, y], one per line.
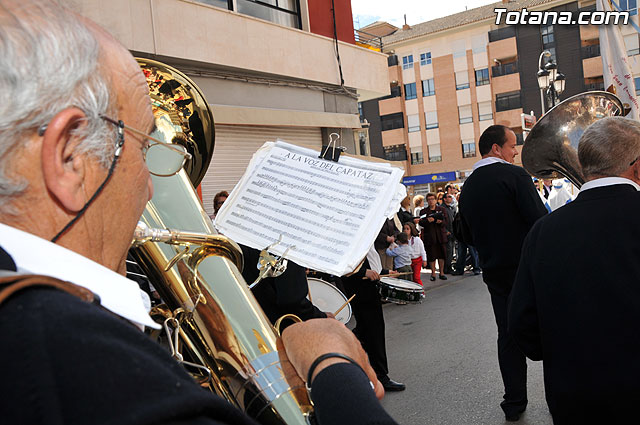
[49, 61]
[608, 146]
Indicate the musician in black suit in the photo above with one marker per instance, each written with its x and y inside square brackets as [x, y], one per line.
[498, 206]
[284, 294]
[581, 321]
[367, 309]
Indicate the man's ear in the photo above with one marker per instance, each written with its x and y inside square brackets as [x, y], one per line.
[64, 171]
[496, 151]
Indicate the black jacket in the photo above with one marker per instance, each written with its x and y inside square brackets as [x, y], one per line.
[280, 295]
[575, 304]
[499, 204]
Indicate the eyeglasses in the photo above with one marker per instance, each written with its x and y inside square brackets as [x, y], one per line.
[634, 161]
[163, 159]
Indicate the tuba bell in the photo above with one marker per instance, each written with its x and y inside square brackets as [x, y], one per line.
[551, 148]
[217, 327]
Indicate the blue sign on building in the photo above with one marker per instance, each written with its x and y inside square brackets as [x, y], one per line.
[429, 178]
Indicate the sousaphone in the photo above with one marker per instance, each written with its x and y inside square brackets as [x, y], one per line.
[551, 148]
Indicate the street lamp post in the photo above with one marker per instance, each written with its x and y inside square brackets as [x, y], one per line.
[550, 81]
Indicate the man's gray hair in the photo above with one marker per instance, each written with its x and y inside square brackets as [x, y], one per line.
[49, 61]
[608, 146]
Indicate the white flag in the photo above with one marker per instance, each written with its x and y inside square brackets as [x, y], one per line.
[615, 62]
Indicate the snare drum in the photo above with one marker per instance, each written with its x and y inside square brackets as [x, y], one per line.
[400, 291]
[328, 298]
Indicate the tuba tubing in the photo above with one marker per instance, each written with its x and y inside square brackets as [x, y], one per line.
[197, 273]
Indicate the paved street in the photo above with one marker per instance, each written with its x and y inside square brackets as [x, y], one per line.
[445, 351]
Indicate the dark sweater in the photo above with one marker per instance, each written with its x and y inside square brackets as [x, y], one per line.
[499, 204]
[285, 294]
[65, 361]
[569, 309]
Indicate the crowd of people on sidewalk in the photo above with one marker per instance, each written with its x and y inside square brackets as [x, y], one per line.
[431, 243]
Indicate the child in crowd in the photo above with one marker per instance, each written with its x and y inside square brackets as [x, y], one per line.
[401, 253]
[419, 255]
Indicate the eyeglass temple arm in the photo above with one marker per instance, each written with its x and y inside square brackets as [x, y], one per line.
[142, 134]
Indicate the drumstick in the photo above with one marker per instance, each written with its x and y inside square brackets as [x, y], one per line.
[344, 305]
[395, 274]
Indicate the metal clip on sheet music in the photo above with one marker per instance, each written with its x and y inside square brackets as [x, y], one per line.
[270, 265]
[334, 154]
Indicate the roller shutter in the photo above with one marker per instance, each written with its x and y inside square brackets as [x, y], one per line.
[236, 144]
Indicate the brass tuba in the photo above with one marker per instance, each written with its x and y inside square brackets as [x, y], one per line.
[551, 149]
[218, 327]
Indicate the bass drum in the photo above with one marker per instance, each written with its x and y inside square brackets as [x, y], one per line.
[328, 298]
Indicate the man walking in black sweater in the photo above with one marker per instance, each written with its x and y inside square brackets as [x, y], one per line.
[498, 205]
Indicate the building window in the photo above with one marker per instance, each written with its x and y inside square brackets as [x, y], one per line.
[428, 87]
[504, 69]
[434, 153]
[548, 41]
[462, 80]
[468, 150]
[396, 91]
[465, 115]
[425, 58]
[218, 3]
[413, 123]
[407, 62]
[395, 153]
[431, 119]
[410, 91]
[416, 158]
[631, 43]
[636, 81]
[630, 5]
[507, 101]
[362, 139]
[392, 121]
[360, 112]
[482, 77]
[283, 12]
[596, 83]
[484, 111]
[519, 139]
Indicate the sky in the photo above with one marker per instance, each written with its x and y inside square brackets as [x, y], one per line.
[417, 11]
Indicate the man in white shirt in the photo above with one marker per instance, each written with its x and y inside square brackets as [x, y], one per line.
[575, 303]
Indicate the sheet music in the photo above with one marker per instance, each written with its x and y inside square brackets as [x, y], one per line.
[329, 211]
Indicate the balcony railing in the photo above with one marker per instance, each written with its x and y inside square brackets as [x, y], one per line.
[590, 51]
[504, 69]
[369, 41]
[501, 34]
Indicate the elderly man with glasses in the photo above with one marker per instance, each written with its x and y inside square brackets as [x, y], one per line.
[582, 320]
[75, 161]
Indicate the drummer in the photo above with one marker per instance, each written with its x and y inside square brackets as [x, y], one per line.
[367, 309]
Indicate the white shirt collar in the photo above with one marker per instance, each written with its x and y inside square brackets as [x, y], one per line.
[488, 161]
[608, 181]
[118, 294]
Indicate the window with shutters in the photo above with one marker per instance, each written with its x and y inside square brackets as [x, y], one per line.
[462, 80]
[484, 111]
[464, 113]
[413, 123]
[431, 119]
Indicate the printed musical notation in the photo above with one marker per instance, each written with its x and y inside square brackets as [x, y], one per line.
[330, 211]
